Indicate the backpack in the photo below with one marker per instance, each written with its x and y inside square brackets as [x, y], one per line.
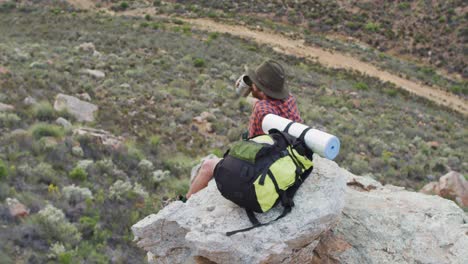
[263, 171]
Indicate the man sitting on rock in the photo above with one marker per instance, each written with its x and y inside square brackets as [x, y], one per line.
[272, 97]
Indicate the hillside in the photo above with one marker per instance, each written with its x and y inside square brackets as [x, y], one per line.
[151, 78]
[420, 29]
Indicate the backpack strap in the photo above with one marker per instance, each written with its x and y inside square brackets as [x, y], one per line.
[291, 191]
[286, 129]
[302, 136]
[255, 223]
[286, 201]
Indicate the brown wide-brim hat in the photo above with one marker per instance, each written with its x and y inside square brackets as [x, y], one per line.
[269, 77]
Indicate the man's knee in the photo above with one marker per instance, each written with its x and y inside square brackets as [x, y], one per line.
[208, 166]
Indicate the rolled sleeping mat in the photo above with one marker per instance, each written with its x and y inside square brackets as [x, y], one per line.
[324, 144]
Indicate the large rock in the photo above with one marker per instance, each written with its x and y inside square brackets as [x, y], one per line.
[452, 186]
[95, 73]
[100, 136]
[194, 232]
[6, 107]
[391, 225]
[83, 111]
[16, 208]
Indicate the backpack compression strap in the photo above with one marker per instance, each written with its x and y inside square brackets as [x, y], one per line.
[302, 136]
[253, 219]
[286, 129]
[286, 201]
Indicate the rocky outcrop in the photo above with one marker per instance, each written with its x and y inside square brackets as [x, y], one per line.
[378, 224]
[194, 232]
[100, 136]
[391, 225]
[16, 208]
[94, 73]
[452, 186]
[6, 107]
[81, 110]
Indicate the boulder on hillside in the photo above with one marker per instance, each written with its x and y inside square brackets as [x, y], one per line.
[391, 225]
[95, 73]
[6, 107]
[452, 186]
[83, 111]
[86, 46]
[16, 208]
[100, 136]
[194, 232]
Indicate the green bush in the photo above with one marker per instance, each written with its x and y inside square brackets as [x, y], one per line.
[404, 6]
[43, 173]
[45, 130]
[78, 174]
[154, 142]
[7, 6]
[458, 89]
[361, 86]
[65, 258]
[373, 27]
[124, 5]
[3, 170]
[353, 25]
[55, 226]
[199, 62]
[212, 36]
[9, 119]
[44, 111]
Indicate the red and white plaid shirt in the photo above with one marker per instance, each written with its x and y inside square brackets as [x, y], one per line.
[286, 108]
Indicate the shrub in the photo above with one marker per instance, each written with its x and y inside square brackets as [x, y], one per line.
[9, 119]
[404, 6]
[212, 36]
[353, 25]
[199, 62]
[391, 92]
[55, 226]
[373, 27]
[55, 250]
[154, 142]
[159, 176]
[186, 29]
[119, 189]
[78, 174]
[75, 194]
[360, 86]
[212, 14]
[156, 25]
[7, 6]
[44, 111]
[458, 89]
[45, 130]
[44, 173]
[124, 5]
[3, 170]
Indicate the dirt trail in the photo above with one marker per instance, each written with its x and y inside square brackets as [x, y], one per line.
[83, 4]
[326, 58]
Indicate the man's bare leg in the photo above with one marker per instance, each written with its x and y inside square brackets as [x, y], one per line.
[205, 174]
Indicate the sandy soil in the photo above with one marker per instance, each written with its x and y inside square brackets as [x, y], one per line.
[298, 48]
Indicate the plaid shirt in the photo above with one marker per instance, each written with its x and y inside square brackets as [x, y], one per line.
[286, 108]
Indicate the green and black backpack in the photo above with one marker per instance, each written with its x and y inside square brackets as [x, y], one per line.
[263, 171]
